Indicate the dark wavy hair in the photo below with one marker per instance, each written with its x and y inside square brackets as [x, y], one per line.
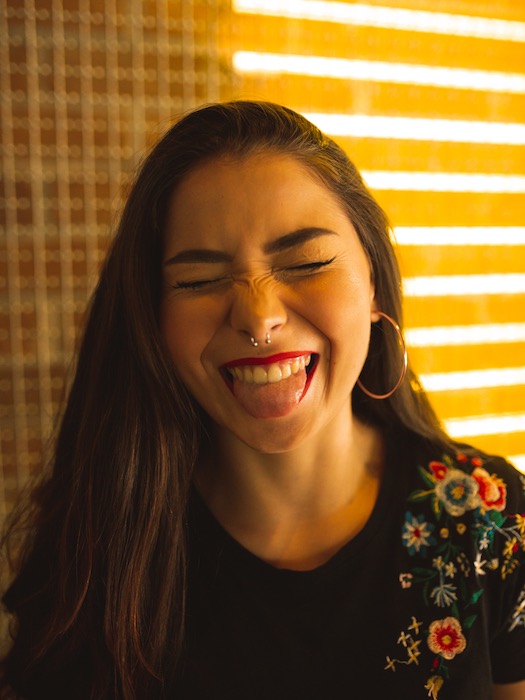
[98, 594]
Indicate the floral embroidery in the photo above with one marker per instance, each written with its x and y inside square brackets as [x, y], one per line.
[457, 491]
[446, 638]
[492, 491]
[411, 644]
[465, 501]
[444, 595]
[417, 534]
[405, 580]
[518, 615]
[433, 685]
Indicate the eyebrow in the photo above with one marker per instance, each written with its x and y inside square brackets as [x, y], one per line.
[289, 240]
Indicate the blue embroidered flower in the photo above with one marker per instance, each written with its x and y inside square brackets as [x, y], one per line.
[458, 492]
[417, 533]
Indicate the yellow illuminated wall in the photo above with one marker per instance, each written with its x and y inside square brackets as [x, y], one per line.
[427, 99]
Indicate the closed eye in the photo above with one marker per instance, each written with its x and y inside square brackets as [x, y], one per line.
[306, 267]
[196, 285]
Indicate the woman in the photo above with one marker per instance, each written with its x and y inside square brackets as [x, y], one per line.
[240, 504]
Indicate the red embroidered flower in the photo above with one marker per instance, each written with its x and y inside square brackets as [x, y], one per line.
[461, 457]
[438, 469]
[492, 490]
[476, 462]
[445, 638]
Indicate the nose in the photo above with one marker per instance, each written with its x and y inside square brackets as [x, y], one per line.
[257, 308]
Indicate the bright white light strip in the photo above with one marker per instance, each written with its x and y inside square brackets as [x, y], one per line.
[418, 129]
[518, 461]
[378, 71]
[460, 235]
[486, 425]
[445, 336]
[443, 182]
[387, 17]
[464, 285]
[473, 379]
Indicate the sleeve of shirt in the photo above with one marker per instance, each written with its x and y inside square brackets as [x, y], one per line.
[508, 640]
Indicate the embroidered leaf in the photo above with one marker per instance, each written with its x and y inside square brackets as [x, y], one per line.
[428, 478]
[419, 495]
[423, 573]
[467, 624]
[448, 461]
[475, 597]
[436, 505]
[497, 518]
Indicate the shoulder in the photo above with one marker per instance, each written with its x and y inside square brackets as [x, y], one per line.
[464, 479]
[473, 507]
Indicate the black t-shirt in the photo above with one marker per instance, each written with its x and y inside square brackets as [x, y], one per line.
[427, 601]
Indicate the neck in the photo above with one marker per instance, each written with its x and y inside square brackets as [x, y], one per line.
[294, 509]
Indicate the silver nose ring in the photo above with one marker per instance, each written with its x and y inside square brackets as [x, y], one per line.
[254, 342]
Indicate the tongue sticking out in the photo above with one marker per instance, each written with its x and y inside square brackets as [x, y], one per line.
[271, 400]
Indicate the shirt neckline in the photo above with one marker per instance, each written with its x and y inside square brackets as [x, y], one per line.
[214, 535]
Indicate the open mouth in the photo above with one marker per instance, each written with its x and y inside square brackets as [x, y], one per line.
[270, 370]
[270, 387]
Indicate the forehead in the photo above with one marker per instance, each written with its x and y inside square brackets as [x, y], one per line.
[264, 194]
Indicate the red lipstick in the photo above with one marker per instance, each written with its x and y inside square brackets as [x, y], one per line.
[271, 359]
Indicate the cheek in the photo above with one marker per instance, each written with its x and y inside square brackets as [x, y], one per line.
[339, 302]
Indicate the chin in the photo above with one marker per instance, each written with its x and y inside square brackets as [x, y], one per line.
[274, 437]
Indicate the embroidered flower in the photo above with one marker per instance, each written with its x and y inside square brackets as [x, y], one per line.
[445, 638]
[479, 564]
[464, 563]
[492, 490]
[518, 616]
[458, 492]
[510, 547]
[444, 595]
[438, 469]
[438, 563]
[433, 685]
[461, 528]
[450, 569]
[417, 533]
[405, 580]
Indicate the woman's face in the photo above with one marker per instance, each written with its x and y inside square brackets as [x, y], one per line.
[259, 246]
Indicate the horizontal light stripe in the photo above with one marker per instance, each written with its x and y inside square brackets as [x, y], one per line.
[473, 379]
[518, 461]
[378, 71]
[464, 285]
[443, 336]
[387, 17]
[443, 182]
[486, 425]
[418, 129]
[460, 235]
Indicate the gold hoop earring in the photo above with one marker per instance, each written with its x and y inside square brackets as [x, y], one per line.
[403, 369]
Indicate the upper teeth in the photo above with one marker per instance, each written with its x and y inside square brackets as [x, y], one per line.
[270, 374]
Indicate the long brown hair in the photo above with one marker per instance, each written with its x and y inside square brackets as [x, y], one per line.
[102, 573]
